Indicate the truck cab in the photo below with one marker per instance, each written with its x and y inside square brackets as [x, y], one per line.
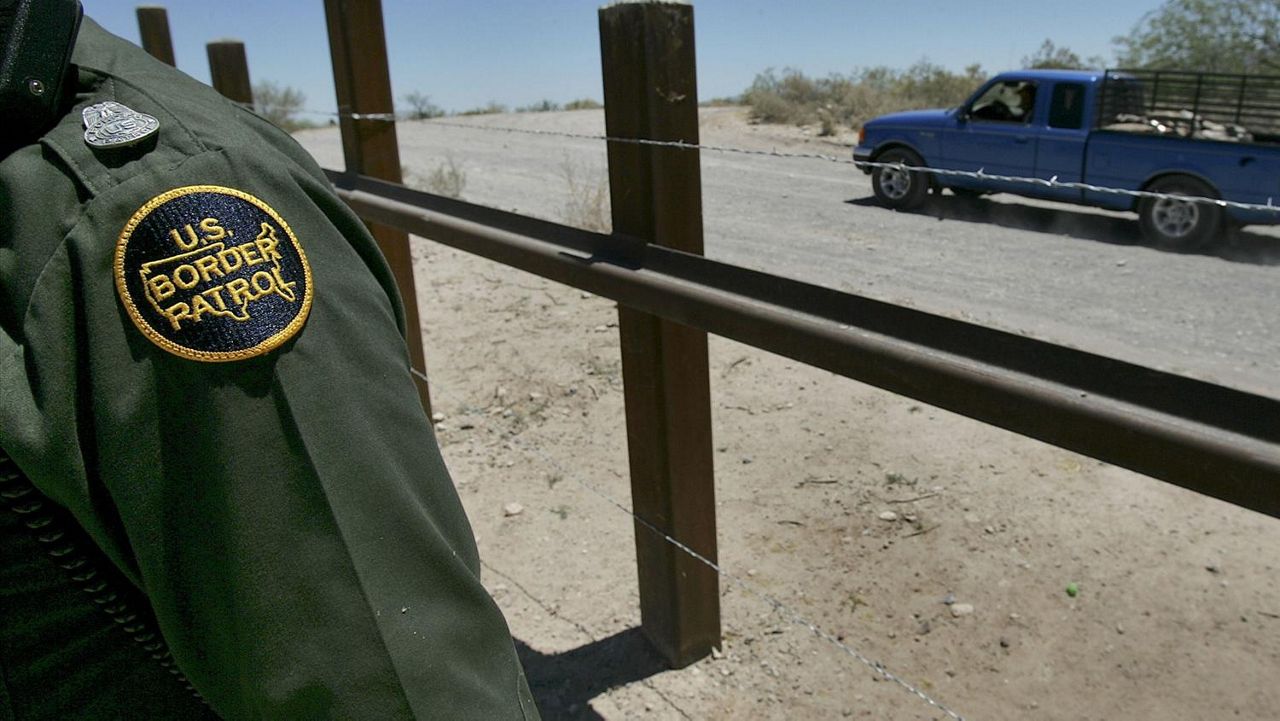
[1139, 139]
[1029, 124]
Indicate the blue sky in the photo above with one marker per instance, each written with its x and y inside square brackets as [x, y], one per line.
[466, 53]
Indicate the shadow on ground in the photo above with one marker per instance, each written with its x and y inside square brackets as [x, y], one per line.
[564, 683]
[1241, 246]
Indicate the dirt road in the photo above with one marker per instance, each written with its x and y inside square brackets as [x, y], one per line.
[935, 545]
[1070, 274]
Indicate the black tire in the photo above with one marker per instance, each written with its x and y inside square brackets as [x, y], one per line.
[896, 188]
[1176, 224]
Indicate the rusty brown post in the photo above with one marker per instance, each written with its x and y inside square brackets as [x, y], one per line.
[656, 193]
[153, 26]
[229, 70]
[358, 47]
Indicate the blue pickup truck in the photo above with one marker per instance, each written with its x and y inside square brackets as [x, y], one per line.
[1178, 133]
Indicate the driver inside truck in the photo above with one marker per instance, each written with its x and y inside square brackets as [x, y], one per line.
[1009, 102]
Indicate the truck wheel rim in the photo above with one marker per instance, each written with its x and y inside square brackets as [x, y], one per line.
[895, 182]
[1175, 218]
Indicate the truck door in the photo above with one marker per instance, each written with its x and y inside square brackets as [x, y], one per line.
[996, 133]
[1060, 152]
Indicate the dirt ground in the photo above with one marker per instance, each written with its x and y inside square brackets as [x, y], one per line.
[935, 545]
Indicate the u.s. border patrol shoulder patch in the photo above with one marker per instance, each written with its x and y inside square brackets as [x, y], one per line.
[212, 274]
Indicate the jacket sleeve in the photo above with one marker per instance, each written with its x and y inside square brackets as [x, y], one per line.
[288, 515]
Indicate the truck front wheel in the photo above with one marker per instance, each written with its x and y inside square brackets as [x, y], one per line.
[897, 187]
[1179, 224]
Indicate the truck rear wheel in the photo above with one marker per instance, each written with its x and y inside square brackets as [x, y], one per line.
[1179, 224]
[899, 188]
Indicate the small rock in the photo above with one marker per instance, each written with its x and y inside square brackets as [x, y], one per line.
[1213, 568]
[716, 653]
[746, 459]
[989, 529]
[961, 609]
[888, 516]
[949, 599]
[1004, 643]
[972, 519]
[501, 392]
[1122, 263]
[751, 571]
[535, 396]
[1119, 629]
[437, 416]
[513, 509]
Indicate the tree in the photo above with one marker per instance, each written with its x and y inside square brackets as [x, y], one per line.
[1225, 36]
[280, 105]
[1050, 56]
[421, 107]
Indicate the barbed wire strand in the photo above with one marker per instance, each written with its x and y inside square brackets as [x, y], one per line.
[779, 606]
[979, 174]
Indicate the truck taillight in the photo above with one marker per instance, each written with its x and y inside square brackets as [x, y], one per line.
[862, 135]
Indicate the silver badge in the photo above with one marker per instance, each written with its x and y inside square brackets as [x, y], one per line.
[112, 125]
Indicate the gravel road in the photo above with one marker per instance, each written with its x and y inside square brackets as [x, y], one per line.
[1073, 275]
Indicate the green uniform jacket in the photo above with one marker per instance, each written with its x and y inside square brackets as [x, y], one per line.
[288, 516]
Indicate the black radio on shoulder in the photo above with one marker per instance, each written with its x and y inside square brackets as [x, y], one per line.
[36, 38]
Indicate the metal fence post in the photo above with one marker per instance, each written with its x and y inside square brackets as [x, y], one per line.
[229, 70]
[153, 27]
[362, 81]
[650, 92]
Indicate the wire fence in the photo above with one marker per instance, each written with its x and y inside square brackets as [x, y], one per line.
[793, 616]
[980, 174]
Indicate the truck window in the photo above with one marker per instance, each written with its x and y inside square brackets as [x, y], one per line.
[1067, 107]
[1008, 101]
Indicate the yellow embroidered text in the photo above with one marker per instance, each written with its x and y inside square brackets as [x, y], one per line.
[213, 278]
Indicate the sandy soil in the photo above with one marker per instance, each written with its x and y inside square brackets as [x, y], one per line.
[963, 594]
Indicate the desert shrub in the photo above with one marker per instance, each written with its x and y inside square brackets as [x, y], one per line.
[448, 178]
[850, 100]
[587, 198]
[421, 107]
[544, 106]
[281, 105]
[491, 109]
[582, 104]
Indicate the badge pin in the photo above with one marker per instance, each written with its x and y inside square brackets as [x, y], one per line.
[113, 125]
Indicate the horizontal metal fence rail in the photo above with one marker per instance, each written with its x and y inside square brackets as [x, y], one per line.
[1204, 437]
